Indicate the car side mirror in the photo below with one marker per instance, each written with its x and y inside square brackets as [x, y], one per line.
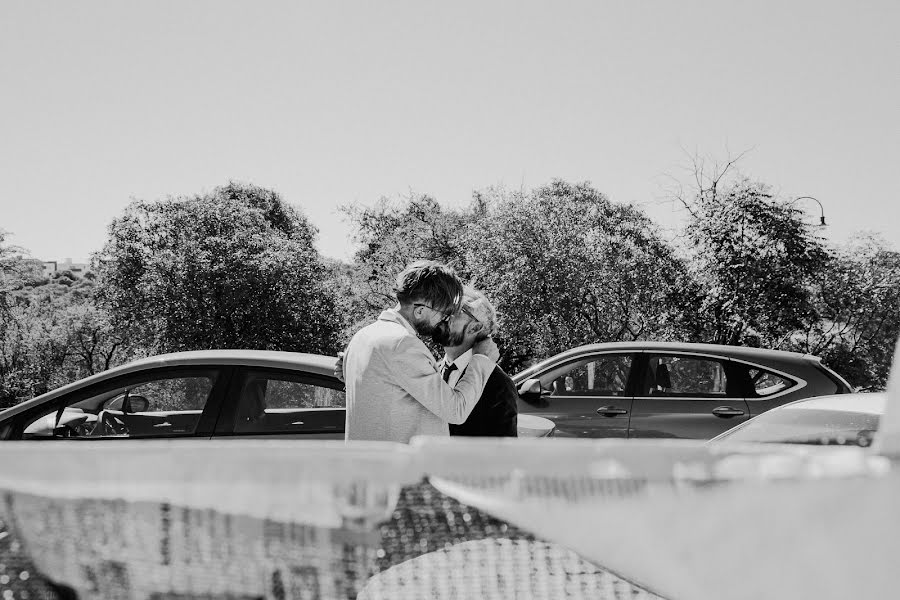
[138, 404]
[531, 391]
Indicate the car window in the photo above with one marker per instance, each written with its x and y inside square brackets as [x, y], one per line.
[766, 383]
[169, 405]
[808, 426]
[605, 375]
[284, 403]
[683, 376]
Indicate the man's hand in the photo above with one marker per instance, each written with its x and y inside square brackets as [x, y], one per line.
[339, 367]
[488, 348]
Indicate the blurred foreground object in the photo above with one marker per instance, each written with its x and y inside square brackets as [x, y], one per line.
[887, 442]
[548, 518]
[843, 420]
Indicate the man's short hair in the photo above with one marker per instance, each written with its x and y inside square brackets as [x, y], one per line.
[432, 283]
[481, 308]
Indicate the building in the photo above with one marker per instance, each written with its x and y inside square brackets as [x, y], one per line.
[51, 267]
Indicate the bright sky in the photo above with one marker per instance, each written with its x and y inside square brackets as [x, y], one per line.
[338, 102]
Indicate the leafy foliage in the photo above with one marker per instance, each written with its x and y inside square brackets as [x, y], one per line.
[55, 333]
[237, 268]
[565, 266]
[754, 257]
[232, 269]
[390, 235]
[857, 296]
[14, 270]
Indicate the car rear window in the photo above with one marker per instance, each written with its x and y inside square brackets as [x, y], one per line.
[765, 383]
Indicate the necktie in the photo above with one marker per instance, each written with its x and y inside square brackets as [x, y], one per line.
[447, 370]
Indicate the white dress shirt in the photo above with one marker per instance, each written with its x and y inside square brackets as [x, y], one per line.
[461, 362]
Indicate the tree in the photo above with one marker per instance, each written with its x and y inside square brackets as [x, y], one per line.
[55, 334]
[857, 296]
[94, 344]
[235, 268]
[754, 258]
[30, 346]
[34, 353]
[14, 270]
[391, 234]
[562, 263]
[566, 266]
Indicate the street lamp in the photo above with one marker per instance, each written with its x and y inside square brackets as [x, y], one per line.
[822, 223]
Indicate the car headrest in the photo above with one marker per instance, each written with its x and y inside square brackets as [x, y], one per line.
[662, 376]
[253, 400]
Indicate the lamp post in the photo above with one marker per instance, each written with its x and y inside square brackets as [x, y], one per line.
[822, 222]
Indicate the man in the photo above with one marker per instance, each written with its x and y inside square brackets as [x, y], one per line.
[394, 390]
[496, 413]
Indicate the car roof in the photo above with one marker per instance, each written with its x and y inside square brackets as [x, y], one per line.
[312, 363]
[317, 363]
[761, 356]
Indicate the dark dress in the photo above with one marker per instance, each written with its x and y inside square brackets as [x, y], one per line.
[495, 414]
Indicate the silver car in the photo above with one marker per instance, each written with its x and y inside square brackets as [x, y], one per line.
[845, 420]
[204, 394]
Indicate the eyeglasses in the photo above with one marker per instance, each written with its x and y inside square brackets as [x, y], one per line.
[469, 314]
[447, 316]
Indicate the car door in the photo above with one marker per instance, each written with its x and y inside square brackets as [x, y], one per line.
[585, 397]
[279, 403]
[682, 395]
[170, 402]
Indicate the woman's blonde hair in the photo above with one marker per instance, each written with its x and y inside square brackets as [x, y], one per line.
[476, 303]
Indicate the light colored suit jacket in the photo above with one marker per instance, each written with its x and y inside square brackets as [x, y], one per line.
[394, 388]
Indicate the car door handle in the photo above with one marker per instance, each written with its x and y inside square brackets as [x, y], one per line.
[726, 412]
[610, 411]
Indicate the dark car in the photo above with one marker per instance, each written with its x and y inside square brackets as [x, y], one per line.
[667, 390]
[845, 420]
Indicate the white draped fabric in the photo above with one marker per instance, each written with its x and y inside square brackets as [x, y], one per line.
[680, 520]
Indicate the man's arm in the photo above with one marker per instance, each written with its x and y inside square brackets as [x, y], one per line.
[339, 366]
[413, 370]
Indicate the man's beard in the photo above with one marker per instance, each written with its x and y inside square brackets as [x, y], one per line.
[426, 329]
[443, 336]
